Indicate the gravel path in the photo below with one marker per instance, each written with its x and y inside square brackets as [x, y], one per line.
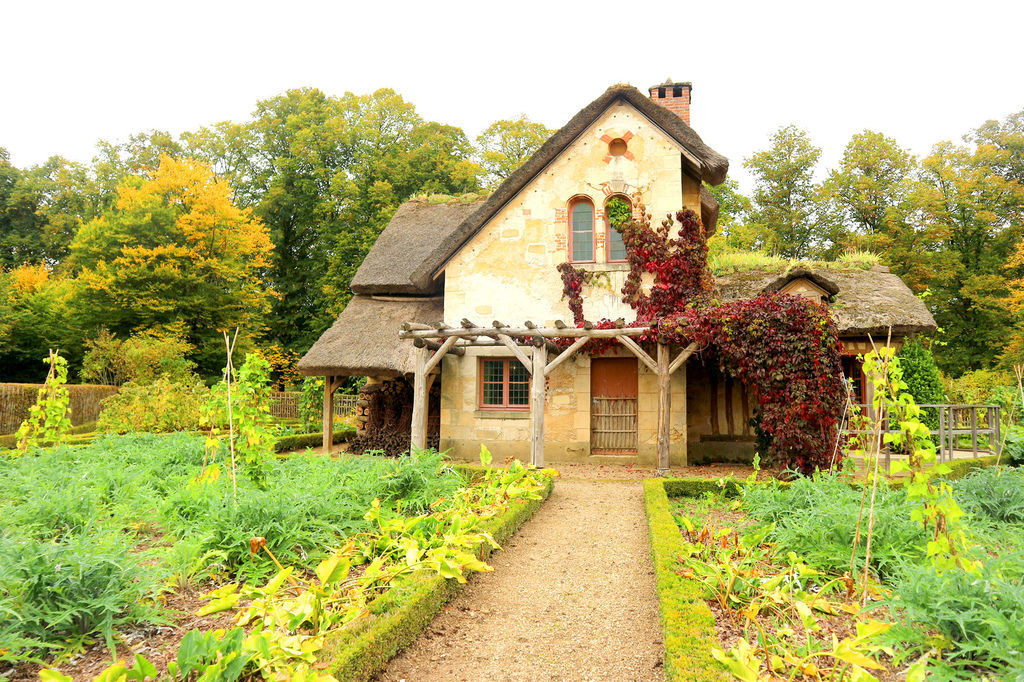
[572, 597]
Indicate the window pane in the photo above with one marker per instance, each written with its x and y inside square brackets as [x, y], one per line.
[494, 370]
[518, 384]
[583, 232]
[616, 249]
[493, 394]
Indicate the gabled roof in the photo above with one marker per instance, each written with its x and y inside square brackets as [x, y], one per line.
[703, 162]
[413, 245]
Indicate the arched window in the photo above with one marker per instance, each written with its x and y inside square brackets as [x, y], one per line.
[617, 211]
[581, 230]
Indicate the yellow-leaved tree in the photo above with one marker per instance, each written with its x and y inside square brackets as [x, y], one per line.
[174, 252]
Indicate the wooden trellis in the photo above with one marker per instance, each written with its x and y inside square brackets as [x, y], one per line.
[433, 343]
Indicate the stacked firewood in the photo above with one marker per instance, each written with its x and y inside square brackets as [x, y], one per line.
[384, 417]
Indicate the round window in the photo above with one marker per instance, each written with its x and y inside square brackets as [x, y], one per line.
[617, 147]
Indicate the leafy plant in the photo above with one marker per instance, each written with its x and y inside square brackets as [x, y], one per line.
[163, 406]
[49, 420]
[311, 402]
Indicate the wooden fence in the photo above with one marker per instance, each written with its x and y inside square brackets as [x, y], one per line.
[16, 399]
[285, 404]
[962, 430]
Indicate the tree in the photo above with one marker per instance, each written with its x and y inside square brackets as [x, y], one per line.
[786, 205]
[976, 216]
[41, 208]
[174, 254]
[1007, 138]
[34, 315]
[870, 188]
[735, 231]
[506, 144]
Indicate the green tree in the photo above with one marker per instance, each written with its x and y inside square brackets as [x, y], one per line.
[735, 231]
[1007, 138]
[35, 314]
[174, 255]
[506, 144]
[787, 208]
[975, 215]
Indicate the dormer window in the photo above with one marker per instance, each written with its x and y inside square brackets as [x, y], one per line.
[806, 288]
[581, 230]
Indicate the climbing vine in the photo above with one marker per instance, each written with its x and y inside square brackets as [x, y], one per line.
[49, 420]
[784, 348]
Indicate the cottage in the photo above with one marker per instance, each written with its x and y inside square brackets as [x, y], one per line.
[441, 372]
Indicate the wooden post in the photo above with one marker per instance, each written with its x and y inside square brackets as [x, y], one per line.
[419, 399]
[942, 433]
[997, 448]
[537, 391]
[974, 429]
[329, 386]
[664, 408]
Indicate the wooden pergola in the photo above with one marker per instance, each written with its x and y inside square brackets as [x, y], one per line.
[433, 343]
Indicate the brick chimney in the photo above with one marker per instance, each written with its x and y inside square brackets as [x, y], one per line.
[673, 96]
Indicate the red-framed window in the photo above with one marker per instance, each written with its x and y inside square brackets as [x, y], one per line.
[619, 209]
[581, 230]
[504, 384]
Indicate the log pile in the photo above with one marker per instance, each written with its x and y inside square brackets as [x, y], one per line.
[384, 417]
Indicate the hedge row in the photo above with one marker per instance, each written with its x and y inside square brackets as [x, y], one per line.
[79, 435]
[398, 618]
[686, 620]
[299, 441]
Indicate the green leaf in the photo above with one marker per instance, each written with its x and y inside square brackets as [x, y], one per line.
[48, 675]
[333, 568]
[217, 605]
[485, 455]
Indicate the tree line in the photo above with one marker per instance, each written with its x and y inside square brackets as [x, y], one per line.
[262, 223]
[259, 224]
[950, 224]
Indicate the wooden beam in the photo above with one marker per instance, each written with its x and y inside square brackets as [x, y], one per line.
[434, 345]
[440, 353]
[664, 408]
[640, 352]
[545, 332]
[419, 400]
[329, 388]
[565, 354]
[516, 351]
[682, 357]
[537, 390]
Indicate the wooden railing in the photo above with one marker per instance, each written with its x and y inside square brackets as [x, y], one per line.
[961, 428]
[285, 404]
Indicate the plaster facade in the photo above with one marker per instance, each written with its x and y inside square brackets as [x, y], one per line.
[507, 272]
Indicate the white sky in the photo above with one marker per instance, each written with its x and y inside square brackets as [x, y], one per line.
[75, 72]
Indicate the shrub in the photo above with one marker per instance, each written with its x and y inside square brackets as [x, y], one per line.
[53, 591]
[922, 377]
[142, 359]
[817, 518]
[996, 494]
[1013, 450]
[979, 614]
[161, 407]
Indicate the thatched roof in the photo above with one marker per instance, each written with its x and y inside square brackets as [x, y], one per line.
[866, 301]
[411, 247]
[363, 341]
[700, 160]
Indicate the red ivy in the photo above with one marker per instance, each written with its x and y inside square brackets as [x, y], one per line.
[784, 348]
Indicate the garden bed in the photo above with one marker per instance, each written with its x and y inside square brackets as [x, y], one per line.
[119, 547]
[748, 574]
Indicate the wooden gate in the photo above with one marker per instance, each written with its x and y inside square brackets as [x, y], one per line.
[613, 407]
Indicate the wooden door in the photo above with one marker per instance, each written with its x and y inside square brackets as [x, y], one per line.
[613, 406]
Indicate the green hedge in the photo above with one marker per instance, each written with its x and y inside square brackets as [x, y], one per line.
[81, 434]
[686, 620]
[400, 616]
[695, 487]
[311, 440]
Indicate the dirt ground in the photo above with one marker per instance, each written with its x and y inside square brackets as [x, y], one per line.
[572, 597]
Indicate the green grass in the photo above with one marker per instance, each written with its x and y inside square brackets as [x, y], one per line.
[74, 522]
[726, 262]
